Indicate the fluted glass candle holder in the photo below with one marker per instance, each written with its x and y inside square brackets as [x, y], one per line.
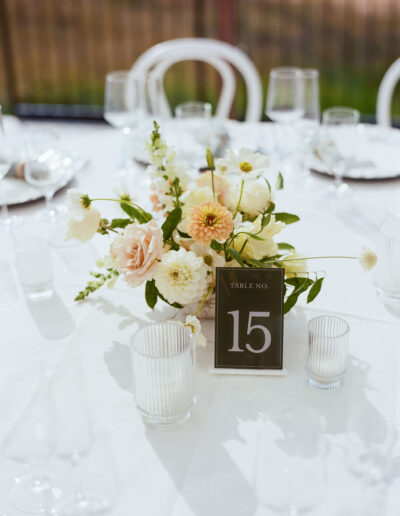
[163, 366]
[328, 348]
[387, 272]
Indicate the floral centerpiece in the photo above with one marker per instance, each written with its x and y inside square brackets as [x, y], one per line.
[224, 217]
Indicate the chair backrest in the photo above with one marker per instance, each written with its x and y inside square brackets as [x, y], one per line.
[385, 94]
[215, 52]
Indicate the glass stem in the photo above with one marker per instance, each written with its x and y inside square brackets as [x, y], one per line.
[4, 207]
[48, 196]
[76, 480]
[125, 160]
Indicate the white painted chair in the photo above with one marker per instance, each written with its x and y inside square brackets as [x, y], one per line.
[159, 58]
[385, 94]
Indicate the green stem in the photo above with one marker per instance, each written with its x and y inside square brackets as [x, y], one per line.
[283, 259]
[240, 199]
[118, 201]
[203, 300]
[212, 183]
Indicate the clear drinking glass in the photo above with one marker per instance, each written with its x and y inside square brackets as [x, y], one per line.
[43, 167]
[120, 109]
[338, 143]
[387, 272]
[34, 267]
[163, 364]
[328, 347]
[307, 126]
[285, 100]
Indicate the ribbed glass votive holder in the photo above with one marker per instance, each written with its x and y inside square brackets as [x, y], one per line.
[163, 365]
[328, 348]
[387, 272]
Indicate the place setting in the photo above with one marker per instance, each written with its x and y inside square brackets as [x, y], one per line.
[199, 283]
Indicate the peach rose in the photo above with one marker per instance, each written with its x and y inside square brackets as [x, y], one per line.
[136, 252]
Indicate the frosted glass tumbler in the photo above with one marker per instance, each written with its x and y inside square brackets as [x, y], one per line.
[328, 348]
[163, 366]
[34, 267]
[387, 272]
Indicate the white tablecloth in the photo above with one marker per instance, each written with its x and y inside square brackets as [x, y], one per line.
[247, 447]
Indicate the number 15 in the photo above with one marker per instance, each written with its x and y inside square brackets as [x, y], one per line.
[250, 328]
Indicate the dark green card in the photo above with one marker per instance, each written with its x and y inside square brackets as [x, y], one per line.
[249, 318]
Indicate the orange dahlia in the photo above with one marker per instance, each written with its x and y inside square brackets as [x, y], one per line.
[208, 221]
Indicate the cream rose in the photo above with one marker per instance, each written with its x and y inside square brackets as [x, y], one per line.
[296, 265]
[84, 227]
[136, 252]
[255, 198]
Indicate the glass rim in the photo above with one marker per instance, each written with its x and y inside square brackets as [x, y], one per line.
[285, 72]
[186, 330]
[389, 221]
[310, 73]
[118, 75]
[343, 109]
[317, 334]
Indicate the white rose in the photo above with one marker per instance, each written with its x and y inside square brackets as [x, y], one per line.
[255, 198]
[84, 228]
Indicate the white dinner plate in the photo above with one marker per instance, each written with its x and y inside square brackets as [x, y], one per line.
[377, 154]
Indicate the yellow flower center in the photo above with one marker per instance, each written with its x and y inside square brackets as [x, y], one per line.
[208, 260]
[180, 276]
[245, 166]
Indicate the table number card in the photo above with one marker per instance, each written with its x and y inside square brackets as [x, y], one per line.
[249, 320]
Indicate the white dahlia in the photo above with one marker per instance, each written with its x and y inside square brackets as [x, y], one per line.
[181, 277]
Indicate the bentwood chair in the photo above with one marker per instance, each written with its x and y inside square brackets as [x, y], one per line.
[385, 94]
[222, 56]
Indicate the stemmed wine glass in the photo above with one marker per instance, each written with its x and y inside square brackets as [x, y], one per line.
[31, 442]
[307, 126]
[74, 434]
[285, 99]
[339, 142]
[44, 168]
[120, 109]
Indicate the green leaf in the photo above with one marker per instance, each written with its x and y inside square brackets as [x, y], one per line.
[304, 284]
[210, 158]
[216, 246]
[236, 256]
[289, 303]
[295, 281]
[171, 222]
[287, 218]
[265, 220]
[256, 237]
[136, 213]
[151, 293]
[314, 290]
[182, 234]
[279, 182]
[271, 207]
[120, 223]
[284, 245]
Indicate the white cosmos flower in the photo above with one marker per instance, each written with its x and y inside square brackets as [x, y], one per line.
[211, 258]
[181, 277]
[367, 259]
[246, 163]
[193, 323]
[78, 204]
